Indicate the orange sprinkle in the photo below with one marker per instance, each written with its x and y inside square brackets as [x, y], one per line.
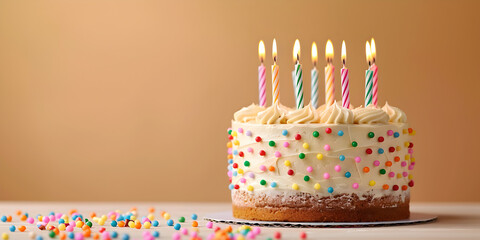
[138, 225]
[386, 187]
[410, 130]
[87, 233]
[271, 168]
[229, 228]
[121, 223]
[396, 159]
[93, 214]
[19, 212]
[63, 236]
[85, 227]
[23, 217]
[162, 213]
[151, 210]
[96, 236]
[133, 209]
[388, 164]
[56, 231]
[404, 187]
[366, 169]
[72, 211]
[9, 218]
[21, 228]
[194, 224]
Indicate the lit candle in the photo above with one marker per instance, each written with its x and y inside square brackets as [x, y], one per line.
[298, 75]
[375, 73]
[293, 78]
[275, 87]
[344, 78]
[262, 96]
[314, 99]
[329, 75]
[368, 76]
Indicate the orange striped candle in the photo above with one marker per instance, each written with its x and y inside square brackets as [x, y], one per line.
[275, 86]
[329, 75]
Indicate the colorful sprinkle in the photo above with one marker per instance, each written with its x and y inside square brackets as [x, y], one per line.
[389, 132]
[273, 184]
[382, 171]
[295, 186]
[338, 168]
[355, 185]
[298, 137]
[248, 133]
[354, 144]
[306, 178]
[317, 186]
[284, 132]
[286, 144]
[326, 147]
[358, 159]
[309, 169]
[258, 139]
[366, 169]
[348, 174]
[278, 154]
[305, 145]
[319, 156]
[326, 175]
[340, 133]
[330, 190]
[263, 168]
[380, 151]
[263, 182]
[371, 183]
[368, 151]
[341, 157]
[396, 135]
[371, 135]
[328, 130]
[290, 172]
[287, 163]
[376, 163]
[316, 134]
[271, 144]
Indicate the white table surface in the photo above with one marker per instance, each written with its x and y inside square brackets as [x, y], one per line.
[455, 221]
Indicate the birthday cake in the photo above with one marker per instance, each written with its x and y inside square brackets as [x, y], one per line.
[330, 164]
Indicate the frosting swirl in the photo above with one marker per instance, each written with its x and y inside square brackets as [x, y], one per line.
[247, 114]
[272, 115]
[320, 109]
[308, 114]
[336, 114]
[396, 115]
[369, 115]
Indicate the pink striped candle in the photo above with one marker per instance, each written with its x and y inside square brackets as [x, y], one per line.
[262, 84]
[329, 75]
[345, 79]
[374, 69]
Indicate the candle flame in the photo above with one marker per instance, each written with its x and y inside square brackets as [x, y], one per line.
[329, 51]
[373, 50]
[344, 53]
[274, 50]
[296, 51]
[368, 53]
[314, 54]
[261, 51]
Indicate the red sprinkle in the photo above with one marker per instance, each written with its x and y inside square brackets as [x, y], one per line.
[298, 137]
[102, 229]
[381, 139]
[368, 151]
[395, 188]
[410, 145]
[258, 139]
[391, 149]
[262, 153]
[328, 130]
[240, 154]
[303, 235]
[230, 137]
[236, 186]
[235, 165]
[277, 235]
[290, 172]
[217, 229]
[410, 184]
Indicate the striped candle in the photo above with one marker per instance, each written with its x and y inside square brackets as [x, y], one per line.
[344, 78]
[294, 85]
[329, 75]
[314, 97]
[298, 75]
[275, 87]
[374, 68]
[262, 83]
[368, 76]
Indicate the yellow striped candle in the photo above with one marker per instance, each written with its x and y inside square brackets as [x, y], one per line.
[275, 86]
[329, 75]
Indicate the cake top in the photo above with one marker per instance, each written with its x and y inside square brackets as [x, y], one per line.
[333, 114]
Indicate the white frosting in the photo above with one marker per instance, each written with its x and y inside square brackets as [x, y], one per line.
[308, 114]
[336, 114]
[396, 115]
[369, 115]
[272, 115]
[248, 114]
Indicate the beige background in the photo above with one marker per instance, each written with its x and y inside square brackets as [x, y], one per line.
[130, 100]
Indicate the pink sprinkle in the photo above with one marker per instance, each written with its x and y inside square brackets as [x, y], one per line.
[209, 224]
[193, 234]
[309, 169]
[251, 235]
[404, 163]
[410, 150]
[278, 154]
[326, 175]
[230, 151]
[30, 220]
[105, 235]
[250, 150]
[251, 175]
[338, 168]
[52, 217]
[184, 230]
[376, 163]
[240, 130]
[229, 173]
[256, 230]
[59, 215]
[263, 168]
[410, 167]
[355, 185]
[46, 219]
[249, 133]
[405, 174]
[389, 132]
[358, 159]
[286, 144]
[326, 147]
[391, 174]
[211, 236]
[78, 236]
[176, 236]
[243, 180]
[69, 228]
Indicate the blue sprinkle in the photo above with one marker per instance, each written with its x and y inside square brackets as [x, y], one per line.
[12, 228]
[61, 220]
[330, 190]
[40, 237]
[230, 161]
[380, 151]
[3, 219]
[396, 134]
[273, 184]
[170, 222]
[235, 173]
[244, 232]
[177, 226]
[230, 186]
[120, 218]
[341, 157]
[26, 214]
[71, 235]
[235, 152]
[126, 237]
[114, 234]
[52, 213]
[114, 223]
[155, 223]
[284, 132]
[340, 133]
[194, 216]
[230, 167]
[348, 174]
[155, 234]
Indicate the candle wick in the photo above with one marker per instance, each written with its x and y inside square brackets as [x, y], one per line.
[275, 59]
[343, 62]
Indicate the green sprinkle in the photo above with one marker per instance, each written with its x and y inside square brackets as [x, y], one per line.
[271, 143]
[181, 219]
[230, 132]
[306, 178]
[383, 171]
[89, 224]
[52, 234]
[246, 164]
[263, 182]
[316, 134]
[371, 134]
[301, 155]
[354, 144]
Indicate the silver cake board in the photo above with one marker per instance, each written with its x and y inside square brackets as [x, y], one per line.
[227, 217]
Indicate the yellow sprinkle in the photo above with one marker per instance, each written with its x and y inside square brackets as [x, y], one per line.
[305, 145]
[410, 176]
[250, 188]
[399, 175]
[412, 159]
[229, 144]
[406, 144]
[131, 224]
[101, 222]
[317, 186]
[150, 217]
[372, 183]
[79, 224]
[240, 171]
[104, 217]
[147, 225]
[133, 217]
[287, 163]
[319, 156]
[166, 216]
[414, 132]
[234, 133]
[240, 237]
[407, 157]
[405, 131]
[5, 236]
[295, 186]
[399, 148]
[236, 142]
[40, 218]
[62, 227]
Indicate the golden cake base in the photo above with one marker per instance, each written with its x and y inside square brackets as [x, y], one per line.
[304, 207]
